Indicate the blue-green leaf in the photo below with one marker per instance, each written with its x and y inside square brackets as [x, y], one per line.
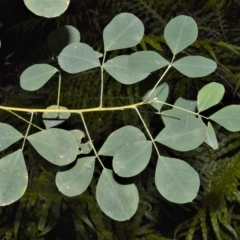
[13, 177]
[36, 76]
[124, 31]
[210, 95]
[195, 66]
[117, 201]
[78, 57]
[176, 180]
[75, 181]
[183, 135]
[228, 117]
[180, 33]
[78, 135]
[51, 119]
[211, 138]
[58, 146]
[61, 37]
[8, 135]
[46, 8]
[118, 68]
[146, 61]
[132, 159]
[121, 138]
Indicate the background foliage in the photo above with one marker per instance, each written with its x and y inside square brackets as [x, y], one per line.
[43, 212]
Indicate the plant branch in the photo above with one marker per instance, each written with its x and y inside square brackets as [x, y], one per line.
[98, 109]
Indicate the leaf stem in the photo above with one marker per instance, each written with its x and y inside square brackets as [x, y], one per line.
[89, 138]
[59, 88]
[101, 94]
[160, 79]
[29, 125]
[149, 134]
[23, 119]
[183, 109]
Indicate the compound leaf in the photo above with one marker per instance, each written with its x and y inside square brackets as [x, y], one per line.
[51, 119]
[117, 201]
[132, 159]
[58, 146]
[78, 57]
[195, 66]
[36, 76]
[124, 31]
[46, 8]
[75, 181]
[13, 178]
[210, 95]
[180, 33]
[228, 117]
[118, 68]
[121, 138]
[8, 135]
[61, 37]
[146, 61]
[183, 135]
[176, 180]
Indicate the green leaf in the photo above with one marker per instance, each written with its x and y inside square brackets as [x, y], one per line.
[211, 138]
[8, 135]
[58, 146]
[36, 76]
[121, 138]
[118, 68]
[75, 181]
[124, 31]
[195, 66]
[78, 135]
[210, 95]
[175, 114]
[160, 93]
[13, 178]
[180, 33]
[78, 57]
[228, 117]
[176, 180]
[47, 8]
[117, 201]
[51, 119]
[146, 61]
[99, 55]
[132, 159]
[183, 135]
[85, 148]
[62, 37]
